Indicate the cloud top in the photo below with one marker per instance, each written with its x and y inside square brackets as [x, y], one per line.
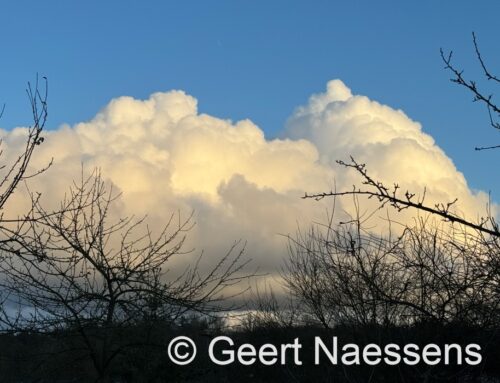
[163, 155]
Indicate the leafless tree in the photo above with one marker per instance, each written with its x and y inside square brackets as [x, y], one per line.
[74, 269]
[431, 272]
[11, 174]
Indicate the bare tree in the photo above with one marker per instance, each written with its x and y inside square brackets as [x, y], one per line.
[74, 269]
[431, 272]
[14, 173]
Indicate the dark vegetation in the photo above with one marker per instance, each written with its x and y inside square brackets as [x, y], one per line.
[60, 356]
[89, 299]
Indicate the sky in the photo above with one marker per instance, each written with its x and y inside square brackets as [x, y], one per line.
[234, 108]
[256, 60]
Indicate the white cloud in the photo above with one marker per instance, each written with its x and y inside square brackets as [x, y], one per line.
[393, 147]
[163, 156]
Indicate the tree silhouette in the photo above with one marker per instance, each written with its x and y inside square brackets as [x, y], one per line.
[75, 271]
[11, 174]
[473, 87]
[347, 275]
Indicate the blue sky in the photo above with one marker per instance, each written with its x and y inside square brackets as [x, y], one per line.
[257, 60]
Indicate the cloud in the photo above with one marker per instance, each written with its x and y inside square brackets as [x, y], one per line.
[164, 156]
[394, 147]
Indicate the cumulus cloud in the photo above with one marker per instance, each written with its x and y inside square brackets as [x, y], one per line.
[393, 146]
[163, 155]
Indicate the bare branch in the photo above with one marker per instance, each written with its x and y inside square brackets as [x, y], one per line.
[384, 195]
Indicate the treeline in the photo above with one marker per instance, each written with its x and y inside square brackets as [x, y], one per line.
[61, 356]
[82, 310]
